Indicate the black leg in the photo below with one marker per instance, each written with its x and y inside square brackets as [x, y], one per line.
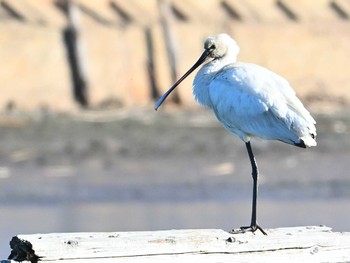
[253, 223]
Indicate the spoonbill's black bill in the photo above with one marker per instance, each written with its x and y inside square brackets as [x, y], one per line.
[249, 101]
[196, 65]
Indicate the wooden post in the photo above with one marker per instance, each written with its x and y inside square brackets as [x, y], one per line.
[294, 244]
[166, 19]
[150, 64]
[75, 54]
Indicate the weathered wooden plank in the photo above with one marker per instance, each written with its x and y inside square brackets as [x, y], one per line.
[304, 244]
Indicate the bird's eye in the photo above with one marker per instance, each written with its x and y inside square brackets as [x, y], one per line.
[212, 47]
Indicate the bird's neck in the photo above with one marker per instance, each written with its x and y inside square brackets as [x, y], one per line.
[204, 77]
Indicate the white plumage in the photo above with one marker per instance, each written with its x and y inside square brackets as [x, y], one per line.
[249, 101]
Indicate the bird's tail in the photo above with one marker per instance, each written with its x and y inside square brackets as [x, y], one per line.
[307, 141]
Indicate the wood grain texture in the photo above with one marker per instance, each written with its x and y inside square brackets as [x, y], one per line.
[296, 244]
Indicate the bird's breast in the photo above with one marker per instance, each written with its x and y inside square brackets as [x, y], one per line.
[201, 88]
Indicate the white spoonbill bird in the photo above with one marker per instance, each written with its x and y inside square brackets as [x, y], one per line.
[249, 101]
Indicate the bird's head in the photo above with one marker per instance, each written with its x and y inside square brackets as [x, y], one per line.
[221, 45]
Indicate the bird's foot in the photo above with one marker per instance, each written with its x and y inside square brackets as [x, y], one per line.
[251, 228]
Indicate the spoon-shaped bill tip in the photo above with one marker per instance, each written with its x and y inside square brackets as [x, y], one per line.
[165, 95]
[158, 103]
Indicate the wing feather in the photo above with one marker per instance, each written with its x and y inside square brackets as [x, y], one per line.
[252, 101]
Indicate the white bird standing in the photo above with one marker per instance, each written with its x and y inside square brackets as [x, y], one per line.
[249, 101]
